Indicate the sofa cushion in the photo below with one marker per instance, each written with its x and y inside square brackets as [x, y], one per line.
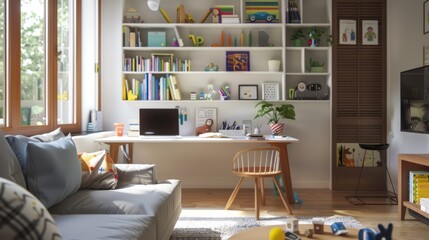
[50, 136]
[98, 170]
[53, 170]
[19, 144]
[10, 168]
[162, 200]
[23, 216]
[106, 226]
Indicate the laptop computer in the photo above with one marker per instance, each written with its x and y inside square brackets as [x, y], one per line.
[159, 123]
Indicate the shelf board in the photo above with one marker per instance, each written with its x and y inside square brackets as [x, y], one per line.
[202, 48]
[203, 25]
[308, 48]
[304, 25]
[306, 74]
[415, 208]
[206, 72]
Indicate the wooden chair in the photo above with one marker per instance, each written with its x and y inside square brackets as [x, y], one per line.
[258, 163]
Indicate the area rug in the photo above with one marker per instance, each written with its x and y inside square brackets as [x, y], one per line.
[220, 228]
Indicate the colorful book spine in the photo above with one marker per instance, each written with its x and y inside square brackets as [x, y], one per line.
[416, 177]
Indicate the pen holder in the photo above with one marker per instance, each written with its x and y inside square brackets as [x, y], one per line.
[232, 133]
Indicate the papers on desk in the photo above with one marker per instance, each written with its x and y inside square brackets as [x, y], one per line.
[212, 135]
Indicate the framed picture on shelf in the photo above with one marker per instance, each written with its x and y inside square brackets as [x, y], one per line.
[247, 92]
[369, 32]
[270, 91]
[426, 17]
[237, 61]
[347, 33]
[262, 11]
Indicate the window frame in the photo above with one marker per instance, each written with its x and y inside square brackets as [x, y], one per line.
[12, 70]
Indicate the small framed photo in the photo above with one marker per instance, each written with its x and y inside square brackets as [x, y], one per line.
[426, 17]
[347, 33]
[247, 92]
[237, 61]
[369, 32]
[270, 91]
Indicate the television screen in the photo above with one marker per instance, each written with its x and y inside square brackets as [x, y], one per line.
[415, 100]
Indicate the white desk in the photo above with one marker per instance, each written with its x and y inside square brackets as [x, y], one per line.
[116, 142]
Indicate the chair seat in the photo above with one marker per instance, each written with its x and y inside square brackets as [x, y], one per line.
[255, 172]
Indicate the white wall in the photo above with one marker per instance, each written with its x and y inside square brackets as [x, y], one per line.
[404, 51]
[208, 165]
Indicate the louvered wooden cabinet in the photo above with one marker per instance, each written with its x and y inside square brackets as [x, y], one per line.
[358, 92]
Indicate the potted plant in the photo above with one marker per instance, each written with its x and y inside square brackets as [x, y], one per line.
[297, 37]
[314, 35]
[315, 66]
[274, 113]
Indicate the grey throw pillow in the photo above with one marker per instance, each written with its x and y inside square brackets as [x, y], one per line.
[9, 166]
[53, 170]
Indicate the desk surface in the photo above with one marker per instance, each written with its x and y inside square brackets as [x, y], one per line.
[195, 139]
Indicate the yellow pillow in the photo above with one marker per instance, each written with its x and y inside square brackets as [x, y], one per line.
[98, 170]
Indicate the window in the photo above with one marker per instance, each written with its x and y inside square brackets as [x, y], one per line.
[40, 47]
[2, 66]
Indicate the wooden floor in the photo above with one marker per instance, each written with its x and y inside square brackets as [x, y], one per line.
[315, 203]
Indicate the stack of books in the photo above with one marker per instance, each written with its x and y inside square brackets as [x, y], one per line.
[419, 186]
[230, 19]
[292, 13]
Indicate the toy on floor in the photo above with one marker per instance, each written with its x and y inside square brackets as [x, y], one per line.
[276, 233]
[372, 234]
[338, 229]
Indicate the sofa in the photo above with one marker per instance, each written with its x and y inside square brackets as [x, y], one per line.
[133, 204]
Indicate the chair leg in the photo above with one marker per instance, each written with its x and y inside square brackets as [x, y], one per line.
[234, 194]
[262, 192]
[282, 196]
[256, 199]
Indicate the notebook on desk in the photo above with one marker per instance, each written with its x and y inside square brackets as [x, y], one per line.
[159, 123]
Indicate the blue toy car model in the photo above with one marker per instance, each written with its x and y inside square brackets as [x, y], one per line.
[261, 16]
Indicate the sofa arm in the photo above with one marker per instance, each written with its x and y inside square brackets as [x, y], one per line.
[136, 173]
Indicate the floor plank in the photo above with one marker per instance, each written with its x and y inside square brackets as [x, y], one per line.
[316, 202]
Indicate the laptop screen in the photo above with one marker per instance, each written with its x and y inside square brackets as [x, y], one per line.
[159, 121]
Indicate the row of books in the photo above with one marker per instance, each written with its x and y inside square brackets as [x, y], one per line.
[151, 88]
[131, 37]
[141, 64]
[418, 186]
[292, 13]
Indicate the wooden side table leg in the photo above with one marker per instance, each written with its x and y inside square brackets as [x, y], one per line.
[114, 149]
[130, 152]
[284, 164]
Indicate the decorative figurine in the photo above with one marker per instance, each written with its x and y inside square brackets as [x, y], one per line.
[207, 127]
[211, 67]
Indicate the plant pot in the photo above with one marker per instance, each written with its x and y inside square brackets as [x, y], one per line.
[316, 69]
[297, 43]
[277, 128]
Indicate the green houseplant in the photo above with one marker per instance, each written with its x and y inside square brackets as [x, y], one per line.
[315, 66]
[297, 37]
[274, 113]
